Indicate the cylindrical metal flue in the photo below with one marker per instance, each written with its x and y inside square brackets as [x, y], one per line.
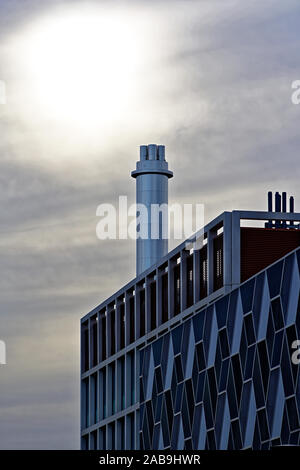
[277, 207]
[277, 202]
[284, 208]
[284, 201]
[152, 176]
[269, 224]
[292, 209]
[270, 201]
[280, 206]
[292, 204]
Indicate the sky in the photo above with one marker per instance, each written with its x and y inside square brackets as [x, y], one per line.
[86, 84]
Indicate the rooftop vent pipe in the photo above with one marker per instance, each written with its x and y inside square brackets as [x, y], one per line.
[280, 206]
[152, 176]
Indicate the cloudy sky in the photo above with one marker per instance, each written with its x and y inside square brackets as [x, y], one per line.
[86, 84]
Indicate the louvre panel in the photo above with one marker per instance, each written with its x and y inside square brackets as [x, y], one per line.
[261, 247]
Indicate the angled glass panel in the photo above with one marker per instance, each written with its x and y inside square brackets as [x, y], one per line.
[157, 349]
[275, 403]
[274, 275]
[177, 339]
[221, 311]
[249, 328]
[248, 372]
[198, 325]
[224, 375]
[277, 314]
[247, 292]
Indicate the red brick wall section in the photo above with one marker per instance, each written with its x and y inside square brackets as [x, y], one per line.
[262, 246]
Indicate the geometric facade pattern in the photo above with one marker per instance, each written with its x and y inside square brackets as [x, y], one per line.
[224, 378]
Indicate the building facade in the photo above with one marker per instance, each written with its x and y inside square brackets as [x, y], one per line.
[196, 351]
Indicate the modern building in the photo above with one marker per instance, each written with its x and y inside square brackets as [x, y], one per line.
[198, 351]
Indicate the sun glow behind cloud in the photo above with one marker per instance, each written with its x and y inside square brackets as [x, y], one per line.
[211, 80]
[87, 80]
[81, 67]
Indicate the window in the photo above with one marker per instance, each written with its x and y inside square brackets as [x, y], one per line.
[103, 335]
[120, 386]
[85, 404]
[102, 393]
[93, 440]
[189, 283]
[177, 289]
[85, 442]
[153, 305]
[94, 399]
[122, 325]
[112, 332]
[111, 435]
[131, 432]
[102, 438]
[165, 304]
[131, 322]
[94, 332]
[130, 378]
[121, 433]
[218, 262]
[203, 272]
[142, 312]
[112, 378]
[85, 347]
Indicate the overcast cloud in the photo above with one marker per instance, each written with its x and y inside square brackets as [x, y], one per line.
[214, 86]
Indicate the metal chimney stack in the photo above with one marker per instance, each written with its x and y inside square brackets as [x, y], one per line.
[280, 206]
[152, 176]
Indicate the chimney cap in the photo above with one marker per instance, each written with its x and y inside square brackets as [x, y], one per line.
[152, 160]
